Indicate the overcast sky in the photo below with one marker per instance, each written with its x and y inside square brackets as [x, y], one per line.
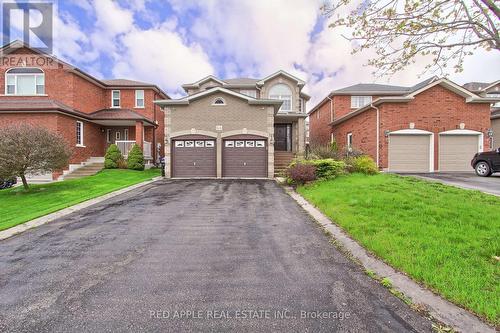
[180, 41]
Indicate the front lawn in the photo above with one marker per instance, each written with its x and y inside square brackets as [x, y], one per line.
[442, 236]
[18, 206]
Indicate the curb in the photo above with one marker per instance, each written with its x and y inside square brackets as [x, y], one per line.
[66, 211]
[439, 308]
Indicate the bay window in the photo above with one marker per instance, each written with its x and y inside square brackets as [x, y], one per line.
[24, 81]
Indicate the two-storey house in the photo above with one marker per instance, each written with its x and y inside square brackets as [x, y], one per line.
[89, 113]
[435, 125]
[235, 127]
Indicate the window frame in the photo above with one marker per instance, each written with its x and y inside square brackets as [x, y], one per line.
[108, 135]
[358, 97]
[79, 126]
[118, 136]
[137, 106]
[245, 92]
[349, 141]
[281, 97]
[218, 98]
[36, 76]
[125, 134]
[113, 99]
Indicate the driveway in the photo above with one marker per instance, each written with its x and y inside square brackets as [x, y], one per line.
[467, 180]
[201, 255]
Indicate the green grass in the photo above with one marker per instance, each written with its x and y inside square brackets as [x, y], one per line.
[18, 206]
[443, 237]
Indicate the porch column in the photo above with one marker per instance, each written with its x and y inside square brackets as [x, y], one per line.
[139, 134]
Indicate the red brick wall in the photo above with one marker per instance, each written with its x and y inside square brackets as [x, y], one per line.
[319, 130]
[363, 129]
[435, 110]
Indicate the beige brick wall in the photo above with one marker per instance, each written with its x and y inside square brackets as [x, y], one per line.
[495, 126]
[264, 93]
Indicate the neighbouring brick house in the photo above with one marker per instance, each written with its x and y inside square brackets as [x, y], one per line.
[435, 125]
[489, 89]
[89, 113]
[239, 127]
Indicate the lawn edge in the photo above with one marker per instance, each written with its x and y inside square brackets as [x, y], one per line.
[439, 308]
[20, 228]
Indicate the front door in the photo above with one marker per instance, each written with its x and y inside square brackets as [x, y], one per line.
[283, 137]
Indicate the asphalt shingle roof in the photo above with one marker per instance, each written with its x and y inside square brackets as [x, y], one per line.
[125, 82]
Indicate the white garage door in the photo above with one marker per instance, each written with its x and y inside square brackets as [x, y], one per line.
[409, 153]
[456, 152]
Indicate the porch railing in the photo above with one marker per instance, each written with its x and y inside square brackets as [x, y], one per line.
[126, 146]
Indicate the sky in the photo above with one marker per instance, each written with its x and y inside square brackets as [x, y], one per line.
[172, 42]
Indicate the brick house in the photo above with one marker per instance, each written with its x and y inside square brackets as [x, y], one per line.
[88, 112]
[240, 127]
[489, 89]
[435, 125]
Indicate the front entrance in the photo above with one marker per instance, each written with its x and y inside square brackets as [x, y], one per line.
[283, 137]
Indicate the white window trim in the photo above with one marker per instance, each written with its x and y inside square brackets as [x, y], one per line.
[358, 96]
[118, 136]
[219, 98]
[80, 123]
[280, 97]
[143, 99]
[119, 99]
[108, 135]
[349, 145]
[6, 74]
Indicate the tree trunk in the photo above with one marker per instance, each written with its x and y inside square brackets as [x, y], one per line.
[25, 183]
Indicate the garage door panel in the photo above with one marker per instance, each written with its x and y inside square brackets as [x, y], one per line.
[409, 153]
[189, 160]
[248, 160]
[456, 152]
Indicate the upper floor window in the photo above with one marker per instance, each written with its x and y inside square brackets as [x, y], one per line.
[139, 98]
[219, 101]
[24, 81]
[115, 98]
[360, 101]
[249, 92]
[282, 92]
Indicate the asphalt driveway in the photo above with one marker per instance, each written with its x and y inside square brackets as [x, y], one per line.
[191, 256]
[467, 180]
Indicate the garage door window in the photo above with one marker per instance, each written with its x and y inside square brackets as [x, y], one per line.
[195, 144]
[209, 144]
[199, 144]
[240, 144]
[250, 144]
[179, 144]
[189, 144]
[260, 143]
[229, 144]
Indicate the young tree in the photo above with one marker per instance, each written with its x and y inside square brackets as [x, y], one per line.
[27, 149]
[447, 31]
[135, 159]
[113, 157]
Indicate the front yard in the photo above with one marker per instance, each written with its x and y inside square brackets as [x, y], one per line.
[18, 206]
[444, 237]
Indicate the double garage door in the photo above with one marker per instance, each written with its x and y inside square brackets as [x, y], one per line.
[243, 156]
[414, 153]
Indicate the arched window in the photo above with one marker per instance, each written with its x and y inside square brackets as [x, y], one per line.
[219, 101]
[24, 81]
[282, 92]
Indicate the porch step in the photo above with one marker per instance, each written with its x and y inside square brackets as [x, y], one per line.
[281, 161]
[88, 169]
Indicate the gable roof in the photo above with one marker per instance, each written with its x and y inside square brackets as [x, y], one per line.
[480, 86]
[282, 72]
[253, 101]
[17, 44]
[450, 85]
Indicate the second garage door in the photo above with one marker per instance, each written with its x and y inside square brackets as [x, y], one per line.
[456, 152]
[409, 153]
[194, 156]
[245, 157]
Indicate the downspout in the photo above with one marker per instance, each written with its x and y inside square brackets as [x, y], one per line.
[378, 131]
[155, 154]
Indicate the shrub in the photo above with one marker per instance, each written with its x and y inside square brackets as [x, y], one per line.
[300, 173]
[322, 151]
[135, 159]
[363, 164]
[112, 157]
[328, 168]
[122, 164]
